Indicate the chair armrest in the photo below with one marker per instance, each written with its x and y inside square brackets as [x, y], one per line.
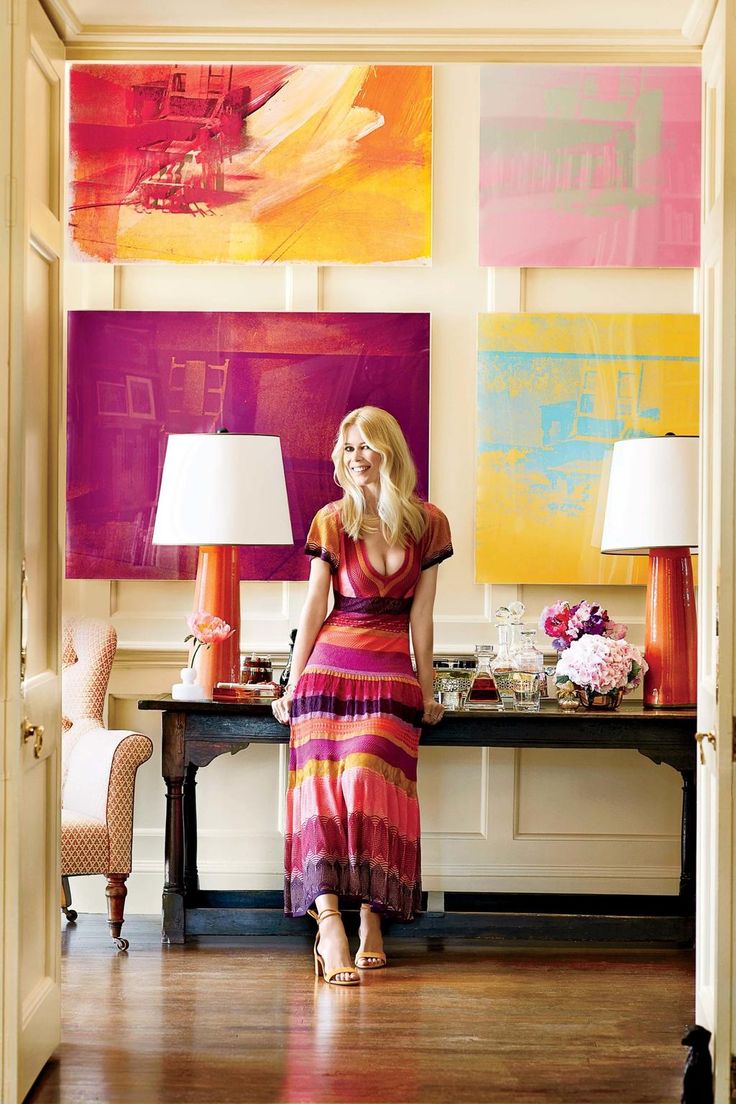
[131, 751]
[100, 761]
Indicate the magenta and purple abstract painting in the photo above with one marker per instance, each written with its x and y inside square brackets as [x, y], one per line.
[590, 166]
[136, 376]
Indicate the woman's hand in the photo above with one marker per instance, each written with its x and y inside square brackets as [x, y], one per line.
[281, 707]
[433, 711]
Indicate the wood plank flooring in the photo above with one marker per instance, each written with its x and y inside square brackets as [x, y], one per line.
[240, 1021]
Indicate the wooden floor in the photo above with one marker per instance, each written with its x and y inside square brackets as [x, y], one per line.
[243, 1020]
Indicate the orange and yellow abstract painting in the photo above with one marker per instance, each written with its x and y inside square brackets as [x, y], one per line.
[321, 164]
[555, 392]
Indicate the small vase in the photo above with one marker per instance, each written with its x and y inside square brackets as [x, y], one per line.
[592, 699]
[568, 702]
[187, 689]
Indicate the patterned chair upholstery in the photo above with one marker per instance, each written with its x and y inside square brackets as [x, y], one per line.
[98, 771]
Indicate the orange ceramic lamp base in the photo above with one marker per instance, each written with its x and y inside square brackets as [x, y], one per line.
[217, 590]
[671, 631]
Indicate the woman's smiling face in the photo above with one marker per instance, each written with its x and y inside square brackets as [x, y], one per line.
[360, 459]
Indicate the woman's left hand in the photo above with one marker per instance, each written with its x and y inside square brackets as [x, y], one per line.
[433, 711]
[281, 707]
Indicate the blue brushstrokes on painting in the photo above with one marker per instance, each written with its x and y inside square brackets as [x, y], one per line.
[553, 417]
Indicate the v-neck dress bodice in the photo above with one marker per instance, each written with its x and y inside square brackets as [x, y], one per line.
[352, 810]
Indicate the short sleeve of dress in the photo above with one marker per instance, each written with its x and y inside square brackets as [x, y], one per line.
[323, 538]
[436, 542]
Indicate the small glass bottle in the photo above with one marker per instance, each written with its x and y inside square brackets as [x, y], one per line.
[483, 692]
[526, 681]
[502, 668]
[256, 668]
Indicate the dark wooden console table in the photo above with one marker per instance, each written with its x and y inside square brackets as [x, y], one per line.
[195, 733]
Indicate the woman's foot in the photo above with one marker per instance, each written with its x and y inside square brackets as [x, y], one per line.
[370, 954]
[334, 949]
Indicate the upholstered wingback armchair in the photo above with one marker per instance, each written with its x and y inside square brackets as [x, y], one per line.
[98, 771]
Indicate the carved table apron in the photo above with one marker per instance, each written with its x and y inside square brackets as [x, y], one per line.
[195, 733]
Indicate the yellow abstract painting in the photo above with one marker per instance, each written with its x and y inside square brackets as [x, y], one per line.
[555, 392]
[321, 164]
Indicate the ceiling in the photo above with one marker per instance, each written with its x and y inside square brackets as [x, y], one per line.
[461, 26]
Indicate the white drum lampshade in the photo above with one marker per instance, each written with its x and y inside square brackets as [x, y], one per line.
[219, 491]
[653, 509]
[652, 496]
[222, 488]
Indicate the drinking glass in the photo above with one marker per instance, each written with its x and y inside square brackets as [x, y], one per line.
[527, 691]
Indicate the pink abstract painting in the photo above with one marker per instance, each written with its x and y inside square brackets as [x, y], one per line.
[136, 376]
[590, 166]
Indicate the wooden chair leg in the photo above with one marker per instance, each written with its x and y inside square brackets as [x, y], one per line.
[66, 900]
[116, 891]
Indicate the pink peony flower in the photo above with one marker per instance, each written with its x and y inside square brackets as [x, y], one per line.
[207, 629]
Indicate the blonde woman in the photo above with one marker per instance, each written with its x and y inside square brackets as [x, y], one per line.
[355, 705]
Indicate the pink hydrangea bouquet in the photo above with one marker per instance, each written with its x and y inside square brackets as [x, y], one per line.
[206, 630]
[601, 664]
[564, 623]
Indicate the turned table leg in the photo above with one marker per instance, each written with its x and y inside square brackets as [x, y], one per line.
[173, 930]
[687, 861]
[191, 874]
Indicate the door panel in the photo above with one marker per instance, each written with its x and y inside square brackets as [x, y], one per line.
[39, 843]
[41, 409]
[30, 484]
[717, 545]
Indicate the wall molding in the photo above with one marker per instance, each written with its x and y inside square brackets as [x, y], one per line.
[655, 21]
[146, 656]
[598, 837]
[697, 21]
[449, 872]
[63, 18]
[621, 47]
[575, 837]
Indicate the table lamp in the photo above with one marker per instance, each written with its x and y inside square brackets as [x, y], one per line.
[218, 491]
[652, 509]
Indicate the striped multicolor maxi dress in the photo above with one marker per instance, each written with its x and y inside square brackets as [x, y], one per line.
[352, 820]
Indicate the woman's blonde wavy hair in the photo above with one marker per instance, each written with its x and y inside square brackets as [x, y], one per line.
[400, 510]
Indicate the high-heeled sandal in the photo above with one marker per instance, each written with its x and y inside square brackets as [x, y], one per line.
[319, 963]
[380, 955]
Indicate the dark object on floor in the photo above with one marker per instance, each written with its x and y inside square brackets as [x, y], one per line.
[697, 1083]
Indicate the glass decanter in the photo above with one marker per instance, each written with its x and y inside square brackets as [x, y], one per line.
[526, 681]
[502, 668]
[483, 693]
[516, 611]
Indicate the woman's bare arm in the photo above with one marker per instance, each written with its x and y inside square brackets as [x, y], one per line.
[310, 622]
[422, 637]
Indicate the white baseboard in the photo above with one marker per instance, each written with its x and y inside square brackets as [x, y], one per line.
[146, 882]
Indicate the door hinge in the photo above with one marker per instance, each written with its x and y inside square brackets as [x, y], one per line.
[732, 1094]
[11, 191]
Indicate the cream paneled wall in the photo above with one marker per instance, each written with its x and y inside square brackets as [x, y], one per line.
[494, 820]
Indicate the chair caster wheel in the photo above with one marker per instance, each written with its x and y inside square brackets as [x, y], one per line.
[121, 944]
[71, 915]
